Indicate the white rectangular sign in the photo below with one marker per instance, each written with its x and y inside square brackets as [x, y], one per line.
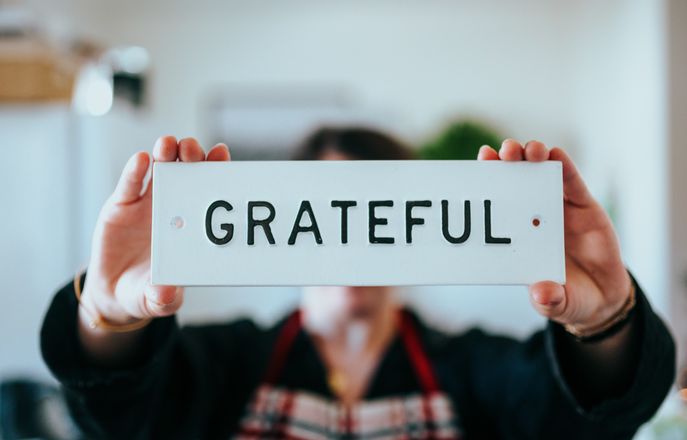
[357, 223]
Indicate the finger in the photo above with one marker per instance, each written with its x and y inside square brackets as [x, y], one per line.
[511, 150]
[161, 301]
[165, 149]
[548, 298]
[130, 182]
[190, 150]
[487, 153]
[219, 153]
[574, 188]
[536, 151]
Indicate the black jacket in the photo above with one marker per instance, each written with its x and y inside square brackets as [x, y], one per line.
[194, 382]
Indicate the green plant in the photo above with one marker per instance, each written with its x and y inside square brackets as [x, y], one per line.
[460, 141]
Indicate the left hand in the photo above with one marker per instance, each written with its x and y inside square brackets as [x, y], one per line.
[597, 283]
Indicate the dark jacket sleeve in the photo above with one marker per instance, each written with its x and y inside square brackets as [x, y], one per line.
[183, 385]
[517, 389]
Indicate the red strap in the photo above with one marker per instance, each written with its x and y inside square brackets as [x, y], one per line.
[418, 357]
[286, 337]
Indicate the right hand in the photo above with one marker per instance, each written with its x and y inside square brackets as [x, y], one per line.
[118, 283]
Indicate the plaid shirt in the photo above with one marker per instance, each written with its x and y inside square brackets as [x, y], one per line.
[278, 412]
[282, 413]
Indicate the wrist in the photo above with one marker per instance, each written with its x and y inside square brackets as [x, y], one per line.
[98, 302]
[99, 310]
[610, 324]
[612, 299]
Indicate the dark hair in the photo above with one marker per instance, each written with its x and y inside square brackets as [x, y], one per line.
[356, 142]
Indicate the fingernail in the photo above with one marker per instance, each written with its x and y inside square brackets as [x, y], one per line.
[131, 164]
[153, 296]
[550, 303]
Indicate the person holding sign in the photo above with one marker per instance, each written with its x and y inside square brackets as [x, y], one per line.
[351, 362]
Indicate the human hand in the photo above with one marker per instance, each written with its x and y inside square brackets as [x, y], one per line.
[118, 283]
[597, 283]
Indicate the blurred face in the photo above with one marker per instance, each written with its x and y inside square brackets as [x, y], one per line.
[345, 303]
[341, 304]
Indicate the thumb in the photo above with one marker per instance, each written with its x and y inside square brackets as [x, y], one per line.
[131, 180]
[548, 298]
[158, 301]
[573, 185]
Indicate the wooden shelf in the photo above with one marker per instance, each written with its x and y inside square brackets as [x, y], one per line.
[31, 70]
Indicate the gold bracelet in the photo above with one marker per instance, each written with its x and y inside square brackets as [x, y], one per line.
[97, 321]
[600, 329]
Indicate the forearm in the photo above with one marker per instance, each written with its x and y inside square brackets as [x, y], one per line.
[110, 387]
[602, 369]
[107, 339]
[106, 348]
[74, 350]
[635, 363]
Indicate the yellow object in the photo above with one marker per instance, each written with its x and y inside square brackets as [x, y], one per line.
[337, 381]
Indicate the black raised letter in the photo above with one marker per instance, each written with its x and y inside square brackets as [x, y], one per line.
[305, 207]
[487, 227]
[374, 221]
[410, 220]
[466, 223]
[265, 223]
[344, 205]
[225, 226]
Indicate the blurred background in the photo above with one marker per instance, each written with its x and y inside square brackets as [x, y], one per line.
[85, 83]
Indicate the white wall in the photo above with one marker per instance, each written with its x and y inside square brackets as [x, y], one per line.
[586, 75]
[34, 226]
[620, 109]
[677, 132]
